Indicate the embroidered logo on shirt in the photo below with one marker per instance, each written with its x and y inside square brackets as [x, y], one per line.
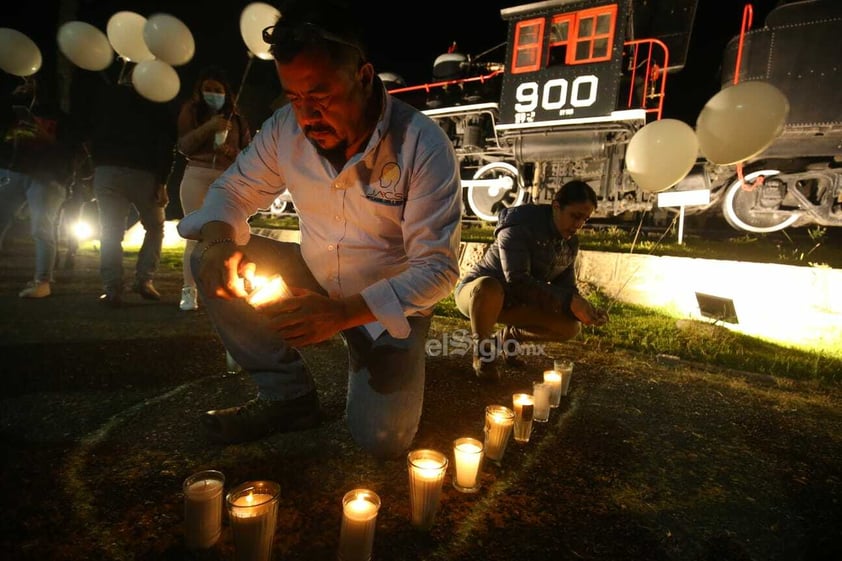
[385, 190]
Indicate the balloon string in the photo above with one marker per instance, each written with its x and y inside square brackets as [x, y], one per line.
[237, 98]
[613, 300]
[243, 80]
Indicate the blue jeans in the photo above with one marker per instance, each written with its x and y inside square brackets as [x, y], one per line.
[116, 189]
[385, 376]
[44, 199]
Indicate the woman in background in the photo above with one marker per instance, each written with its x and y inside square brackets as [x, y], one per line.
[211, 133]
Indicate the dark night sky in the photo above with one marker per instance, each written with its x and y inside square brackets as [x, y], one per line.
[403, 43]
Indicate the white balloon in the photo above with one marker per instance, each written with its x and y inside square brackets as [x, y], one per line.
[661, 154]
[741, 121]
[155, 80]
[86, 46]
[19, 55]
[254, 18]
[169, 39]
[125, 33]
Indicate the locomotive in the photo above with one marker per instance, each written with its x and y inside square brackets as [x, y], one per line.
[580, 78]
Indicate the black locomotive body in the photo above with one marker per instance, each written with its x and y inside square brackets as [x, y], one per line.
[581, 77]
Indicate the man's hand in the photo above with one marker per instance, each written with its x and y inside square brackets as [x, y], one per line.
[586, 313]
[223, 269]
[306, 318]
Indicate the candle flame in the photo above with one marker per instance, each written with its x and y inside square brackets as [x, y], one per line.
[267, 291]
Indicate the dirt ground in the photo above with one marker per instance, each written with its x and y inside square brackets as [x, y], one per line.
[646, 458]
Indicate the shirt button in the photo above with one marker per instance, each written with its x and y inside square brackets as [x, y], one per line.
[338, 218]
[330, 247]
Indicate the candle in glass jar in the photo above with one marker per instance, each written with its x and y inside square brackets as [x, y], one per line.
[267, 291]
[203, 509]
[253, 510]
[523, 405]
[541, 401]
[467, 452]
[565, 370]
[359, 517]
[498, 429]
[553, 378]
[426, 473]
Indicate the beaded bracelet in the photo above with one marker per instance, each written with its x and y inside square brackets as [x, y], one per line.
[212, 243]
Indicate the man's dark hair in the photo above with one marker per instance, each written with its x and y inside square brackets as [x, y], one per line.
[575, 191]
[331, 26]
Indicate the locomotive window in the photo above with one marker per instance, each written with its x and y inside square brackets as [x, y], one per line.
[560, 38]
[527, 52]
[594, 34]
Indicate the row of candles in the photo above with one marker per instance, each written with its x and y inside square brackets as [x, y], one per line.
[253, 506]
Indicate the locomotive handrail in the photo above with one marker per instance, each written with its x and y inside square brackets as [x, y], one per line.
[654, 73]
[748, 15]
[430, 86]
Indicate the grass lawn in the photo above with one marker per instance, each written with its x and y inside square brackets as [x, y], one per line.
[655, 332]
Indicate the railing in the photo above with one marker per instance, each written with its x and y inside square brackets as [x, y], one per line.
[644, 60]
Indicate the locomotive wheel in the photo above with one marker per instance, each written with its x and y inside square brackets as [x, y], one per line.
[485, 202]
[739, 206]
[279, 205]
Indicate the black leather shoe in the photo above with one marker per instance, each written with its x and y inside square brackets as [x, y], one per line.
[146, 290]
[111, 299]
[261, 417]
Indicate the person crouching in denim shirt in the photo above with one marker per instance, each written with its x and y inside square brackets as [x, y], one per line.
[526, 279]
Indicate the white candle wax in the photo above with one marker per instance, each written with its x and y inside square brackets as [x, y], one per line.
[203, 509]
[359, 518]
[553, 378]
[541, 400]
[498, 428]
[565, 370]
[253, 524]
[468, 455]
[426, 472]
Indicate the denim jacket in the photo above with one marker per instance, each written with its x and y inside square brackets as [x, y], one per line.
[533, 261]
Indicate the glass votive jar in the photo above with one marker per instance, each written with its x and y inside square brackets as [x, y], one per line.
[498, 429]
[467, 456]
[426, 473]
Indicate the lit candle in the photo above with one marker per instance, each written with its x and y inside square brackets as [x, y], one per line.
[253, 509]
[426, 473]
[565, 370]
[359, 517]
[523, 405]
[203, 509]
[467, 453]
[498, 429]
[553, 378]
[268, 291]
[541, 400]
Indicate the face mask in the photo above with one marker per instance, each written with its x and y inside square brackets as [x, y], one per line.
[214, 100]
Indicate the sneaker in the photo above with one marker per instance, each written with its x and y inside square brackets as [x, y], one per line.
[189, 299]
[509, 344]
[35, 289]
[486, 370]
[146, 290]
[261, 417]
[485, 355]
